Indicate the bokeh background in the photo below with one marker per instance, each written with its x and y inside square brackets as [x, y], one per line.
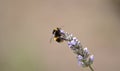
[26, 26]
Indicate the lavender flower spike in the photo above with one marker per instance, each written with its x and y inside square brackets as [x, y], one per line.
[85, 59]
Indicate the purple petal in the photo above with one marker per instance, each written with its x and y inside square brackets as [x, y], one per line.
[73, 42]
[80, 58]
[62, 31]
[74, 38]
[82, 64]
[69, 44]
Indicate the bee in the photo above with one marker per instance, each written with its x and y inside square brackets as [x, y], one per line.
[57, 35]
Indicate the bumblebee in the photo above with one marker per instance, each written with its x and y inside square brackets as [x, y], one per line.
[57, 35]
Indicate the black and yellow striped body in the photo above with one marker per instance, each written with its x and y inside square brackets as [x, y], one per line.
[57, 35]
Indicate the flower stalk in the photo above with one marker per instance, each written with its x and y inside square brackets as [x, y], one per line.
[85, 59]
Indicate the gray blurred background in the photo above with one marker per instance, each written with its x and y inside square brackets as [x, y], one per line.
[26, 26]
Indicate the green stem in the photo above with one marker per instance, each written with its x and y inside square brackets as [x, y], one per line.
[91, 68]
[88, 66]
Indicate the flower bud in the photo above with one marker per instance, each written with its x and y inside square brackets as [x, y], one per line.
[91, 59]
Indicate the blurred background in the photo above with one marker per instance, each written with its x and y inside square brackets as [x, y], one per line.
[26, 26]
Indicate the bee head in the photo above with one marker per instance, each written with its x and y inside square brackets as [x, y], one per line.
[56, 32]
